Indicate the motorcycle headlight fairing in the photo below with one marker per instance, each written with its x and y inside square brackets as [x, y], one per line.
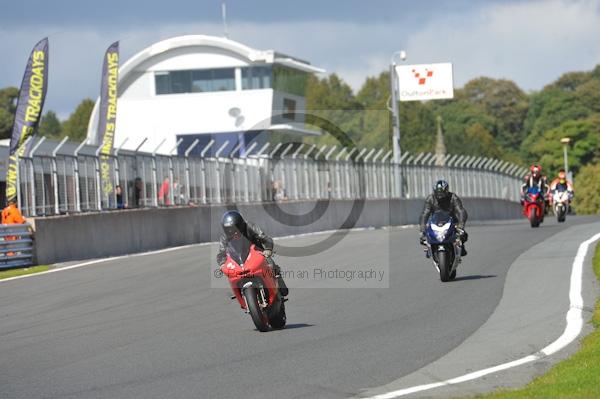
[440, 231]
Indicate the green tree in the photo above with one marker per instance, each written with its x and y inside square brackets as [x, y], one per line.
[375, 92]
[503, 100]
[417, 127]
[584, 147]
[479, 141]
[570, 81]
[332, 99]
[330, 93]
[8, 98]
[587, 196]
[417, 121]
[375, 120]
[76, 126]
[459, 116]
[554, 108]
[50, 126]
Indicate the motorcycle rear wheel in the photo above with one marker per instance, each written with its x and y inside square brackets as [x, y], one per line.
[258, 315]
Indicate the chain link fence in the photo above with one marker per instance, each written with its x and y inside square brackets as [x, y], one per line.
[64, 184]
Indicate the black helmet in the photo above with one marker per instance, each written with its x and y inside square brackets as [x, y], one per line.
[441, 189]
[233, 224]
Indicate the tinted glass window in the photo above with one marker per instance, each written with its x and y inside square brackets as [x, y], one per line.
[258, 77]
[180, 82]
[223, 79]
[195, 81]
[289, 80]
[201, 81]
[163, 83]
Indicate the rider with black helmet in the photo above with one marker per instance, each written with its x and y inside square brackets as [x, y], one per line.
[237, 237]
[444, 200]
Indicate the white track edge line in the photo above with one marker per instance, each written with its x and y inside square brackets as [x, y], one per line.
[571, 332]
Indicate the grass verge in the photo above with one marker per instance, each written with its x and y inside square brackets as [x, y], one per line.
[22, 271]
[575, 378]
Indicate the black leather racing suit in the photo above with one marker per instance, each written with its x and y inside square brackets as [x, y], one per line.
[252, 234]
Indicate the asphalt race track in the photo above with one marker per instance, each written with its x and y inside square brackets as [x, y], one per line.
[152, 327]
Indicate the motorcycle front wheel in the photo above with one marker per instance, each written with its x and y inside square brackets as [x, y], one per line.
[256, 312]
[560, 214]
[533, 219]
[444, 266]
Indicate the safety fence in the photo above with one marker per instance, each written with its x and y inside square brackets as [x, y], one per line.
[16, 245]
[56, 183]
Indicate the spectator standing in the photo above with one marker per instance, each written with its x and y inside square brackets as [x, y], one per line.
[119, 195]
[163, 193]
[138, 187]
[12, 215]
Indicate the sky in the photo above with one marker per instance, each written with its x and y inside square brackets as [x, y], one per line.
[529, 42]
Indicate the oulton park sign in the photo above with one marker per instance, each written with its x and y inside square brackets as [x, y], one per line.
[425, 82]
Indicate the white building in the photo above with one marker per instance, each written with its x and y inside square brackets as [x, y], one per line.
[206, 87]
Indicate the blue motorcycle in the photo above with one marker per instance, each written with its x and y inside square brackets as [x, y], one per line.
[443, 244]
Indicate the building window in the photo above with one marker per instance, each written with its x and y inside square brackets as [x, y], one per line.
[289, 80]
[201, 81]
[256, 77]
[195, 81]
[223, 79]
[163, 82]
[289, 109]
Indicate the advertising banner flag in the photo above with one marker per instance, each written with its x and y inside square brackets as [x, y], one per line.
[108, 116]
[425, 82]
[29, 110]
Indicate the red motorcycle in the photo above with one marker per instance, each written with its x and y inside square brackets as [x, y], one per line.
[533, 206]
[255, 287]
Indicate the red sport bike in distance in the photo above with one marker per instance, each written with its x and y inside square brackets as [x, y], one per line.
[255, 287]
[533, 206]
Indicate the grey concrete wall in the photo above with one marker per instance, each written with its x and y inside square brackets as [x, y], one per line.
[95, 235]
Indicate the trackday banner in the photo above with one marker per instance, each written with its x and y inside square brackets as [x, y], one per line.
[108, 115]
[29, 110]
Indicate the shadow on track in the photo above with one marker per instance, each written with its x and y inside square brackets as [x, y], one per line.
[297, 325]
[474, 277]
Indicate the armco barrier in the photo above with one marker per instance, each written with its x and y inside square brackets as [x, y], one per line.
[16, 245]
[86, 236]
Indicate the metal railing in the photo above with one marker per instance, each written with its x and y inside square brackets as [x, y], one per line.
[56, 183]
[16, 245]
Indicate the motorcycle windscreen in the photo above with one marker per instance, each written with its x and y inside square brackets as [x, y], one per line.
[533, 190]
[239, 249]
[440, 218]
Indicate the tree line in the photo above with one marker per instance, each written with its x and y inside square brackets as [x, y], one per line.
[75, 126]
[488, 117]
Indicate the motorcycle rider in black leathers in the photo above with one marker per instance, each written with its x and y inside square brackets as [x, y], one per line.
[444, 200]
[237, 237]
